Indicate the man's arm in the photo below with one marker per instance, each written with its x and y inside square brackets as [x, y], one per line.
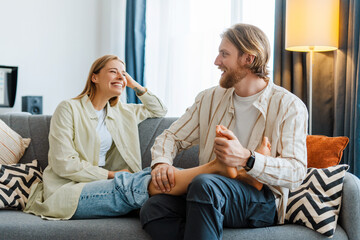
[181, 135]
[288, 168]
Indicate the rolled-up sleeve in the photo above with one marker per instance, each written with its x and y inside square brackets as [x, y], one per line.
[181, 135]
[151, 107]
[289, 168]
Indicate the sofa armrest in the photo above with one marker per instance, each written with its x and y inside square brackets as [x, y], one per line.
[349, 217]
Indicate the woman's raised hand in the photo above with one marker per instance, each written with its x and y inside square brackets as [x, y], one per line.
[131, 83]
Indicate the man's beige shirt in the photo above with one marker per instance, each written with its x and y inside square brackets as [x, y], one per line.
[282, 118]
[74, 151]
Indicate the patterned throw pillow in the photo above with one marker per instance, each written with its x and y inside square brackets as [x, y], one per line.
[12, 145]
[15, 183]
[316, 202]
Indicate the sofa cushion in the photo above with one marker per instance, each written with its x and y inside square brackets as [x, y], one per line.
[12, 145]
[316, 202]
[15, 183]
[28, 226]
[129, 228]
[323, 151]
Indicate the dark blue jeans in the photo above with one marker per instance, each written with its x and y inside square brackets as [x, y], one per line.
[212, 202]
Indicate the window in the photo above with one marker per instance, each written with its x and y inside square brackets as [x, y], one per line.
[182, 40]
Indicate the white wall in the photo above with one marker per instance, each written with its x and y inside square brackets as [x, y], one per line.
[54, 42]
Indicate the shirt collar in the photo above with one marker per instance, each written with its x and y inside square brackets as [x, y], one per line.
[231, 107]
[85, 101]
[260, 103]
[263, 100]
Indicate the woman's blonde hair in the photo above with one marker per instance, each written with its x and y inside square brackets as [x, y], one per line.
[251, 40]
[90, 87]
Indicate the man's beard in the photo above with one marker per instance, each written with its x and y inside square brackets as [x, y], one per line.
[231, 77]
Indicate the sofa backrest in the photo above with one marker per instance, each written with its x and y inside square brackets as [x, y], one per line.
[36, 127]
[153, 127]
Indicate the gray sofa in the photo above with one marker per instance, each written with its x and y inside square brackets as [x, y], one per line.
[18, 225]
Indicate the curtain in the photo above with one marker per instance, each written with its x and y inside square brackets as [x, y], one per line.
[289, 67]
[291, 72]
[347, 77]
[182, 43]
[336, 102]
[135, 44]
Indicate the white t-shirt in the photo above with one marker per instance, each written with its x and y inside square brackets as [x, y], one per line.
[105, 136]
[245, 116]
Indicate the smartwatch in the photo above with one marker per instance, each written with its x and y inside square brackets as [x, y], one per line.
[250, 162]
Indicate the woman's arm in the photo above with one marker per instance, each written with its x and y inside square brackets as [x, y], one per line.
[152, 106]
[64, 159]
[131, 83]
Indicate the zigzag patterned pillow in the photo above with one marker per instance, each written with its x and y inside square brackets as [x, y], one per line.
[15, 183]
[316, 202]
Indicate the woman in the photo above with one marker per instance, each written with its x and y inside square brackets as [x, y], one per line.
[94, 147]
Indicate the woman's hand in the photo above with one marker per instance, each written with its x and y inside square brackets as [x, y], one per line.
[111, 174]
[131, 83]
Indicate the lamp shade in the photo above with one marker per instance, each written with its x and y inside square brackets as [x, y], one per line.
[312, 25]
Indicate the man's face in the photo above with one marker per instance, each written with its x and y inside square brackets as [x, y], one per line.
[229, 62]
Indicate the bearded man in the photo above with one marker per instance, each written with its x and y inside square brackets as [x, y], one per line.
[251, 107]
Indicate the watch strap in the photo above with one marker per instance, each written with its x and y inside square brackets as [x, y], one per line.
[250, 162]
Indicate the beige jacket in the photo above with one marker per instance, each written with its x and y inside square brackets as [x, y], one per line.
[74, 151]
[282, 118]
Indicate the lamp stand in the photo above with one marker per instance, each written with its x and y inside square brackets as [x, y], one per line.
[310, 88]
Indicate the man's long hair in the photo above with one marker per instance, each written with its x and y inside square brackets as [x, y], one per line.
[251, 40]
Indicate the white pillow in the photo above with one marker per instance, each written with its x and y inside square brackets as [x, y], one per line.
[12, 145]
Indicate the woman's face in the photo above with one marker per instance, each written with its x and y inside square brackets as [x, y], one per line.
[110, 81]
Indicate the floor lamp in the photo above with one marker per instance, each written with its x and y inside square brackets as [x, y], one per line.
[311, 26]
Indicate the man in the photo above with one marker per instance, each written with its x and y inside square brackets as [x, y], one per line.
[251, 107]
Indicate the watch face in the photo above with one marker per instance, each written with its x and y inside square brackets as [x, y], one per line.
[250, 162]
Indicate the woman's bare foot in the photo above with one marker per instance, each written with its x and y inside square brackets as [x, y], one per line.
[230, 172]
[265, 147]
[222, 169]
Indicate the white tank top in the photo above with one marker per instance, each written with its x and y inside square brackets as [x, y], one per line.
[105, 137]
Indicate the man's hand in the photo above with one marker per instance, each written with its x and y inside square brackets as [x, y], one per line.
[230, 151]
[163, 177]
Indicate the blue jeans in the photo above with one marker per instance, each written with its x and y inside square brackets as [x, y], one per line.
[114, 197]
[212, 202]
